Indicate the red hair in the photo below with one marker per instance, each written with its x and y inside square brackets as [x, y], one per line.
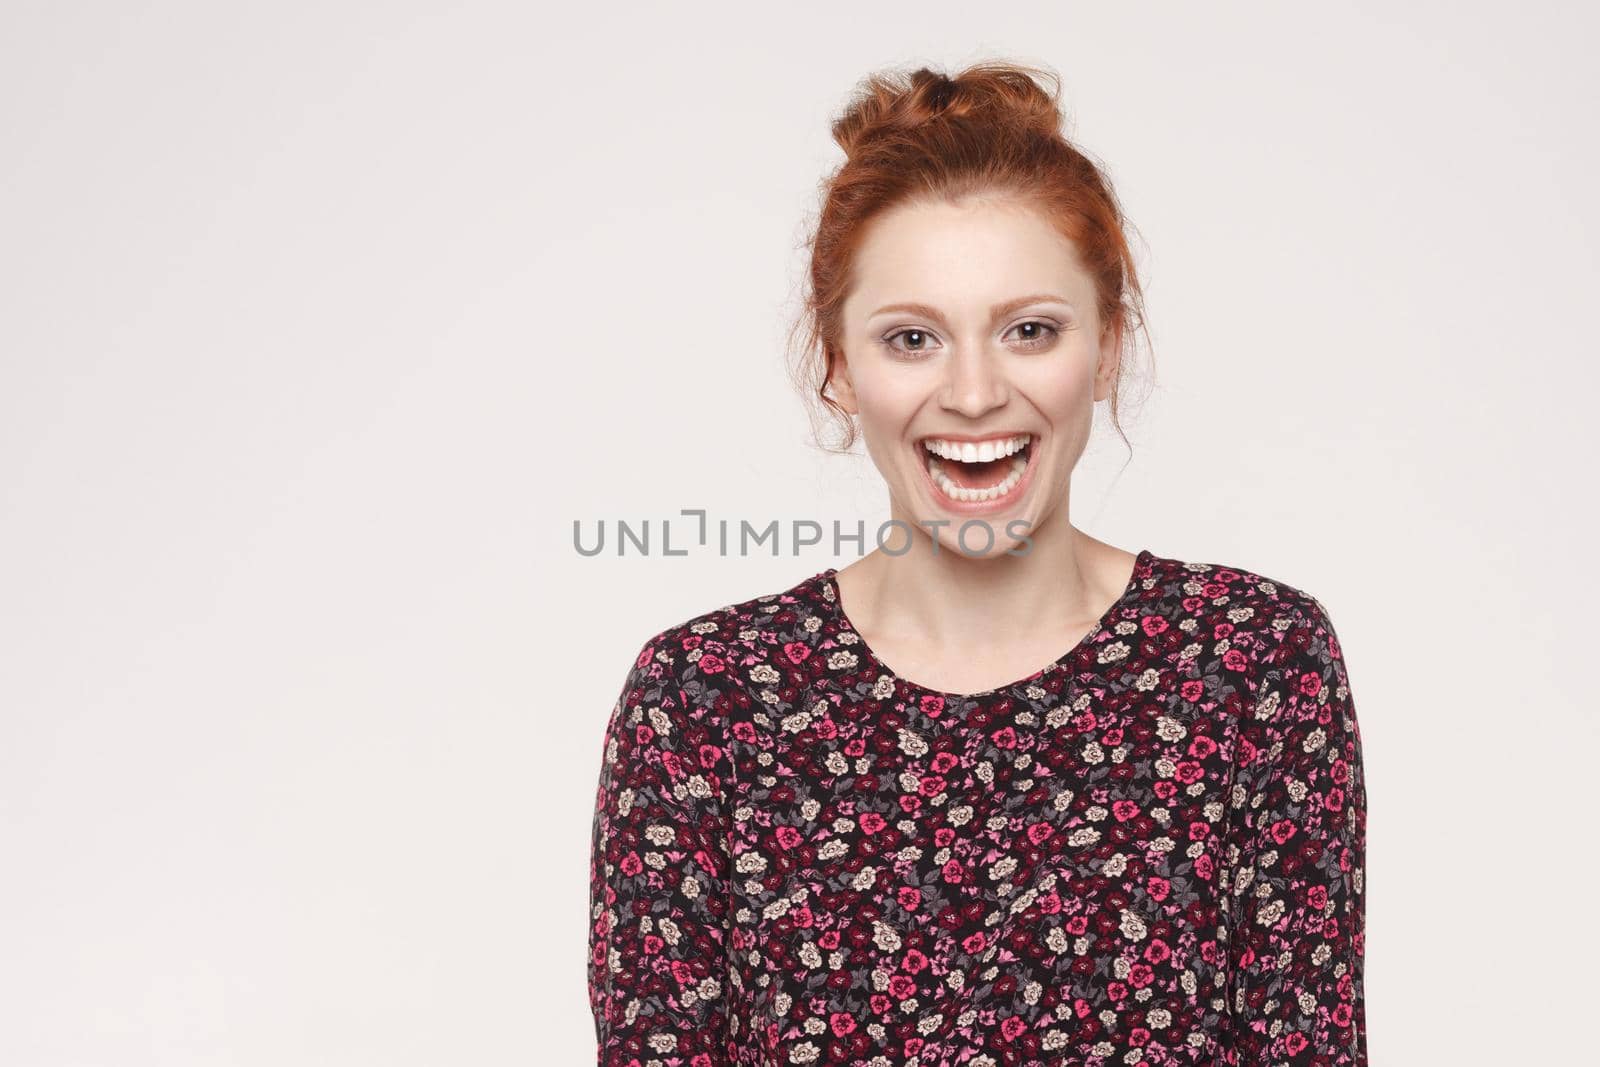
[992, 129]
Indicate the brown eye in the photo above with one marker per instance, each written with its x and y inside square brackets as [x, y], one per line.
[1042, 333]
[916, 340]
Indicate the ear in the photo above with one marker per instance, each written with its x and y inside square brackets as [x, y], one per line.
[839, 383]
[1105, 372]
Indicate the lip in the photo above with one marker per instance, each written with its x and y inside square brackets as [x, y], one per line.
[975, 438]
[979, 507]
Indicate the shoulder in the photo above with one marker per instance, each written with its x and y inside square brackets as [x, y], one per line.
[1253, 620]
[706, 654]
[1247, 599]
[1281, 637]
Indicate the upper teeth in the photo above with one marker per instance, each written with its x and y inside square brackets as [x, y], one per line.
[969, 452]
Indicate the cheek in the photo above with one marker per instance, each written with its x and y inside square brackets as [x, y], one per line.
[1061, 389]
[887, 403]
[1064, 406]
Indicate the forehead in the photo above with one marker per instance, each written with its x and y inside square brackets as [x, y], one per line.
[968, 254]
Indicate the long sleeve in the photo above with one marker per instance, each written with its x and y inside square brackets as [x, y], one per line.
[1298, 816]
[659, 877]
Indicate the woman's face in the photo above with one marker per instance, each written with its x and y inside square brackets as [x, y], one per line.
[973, 355]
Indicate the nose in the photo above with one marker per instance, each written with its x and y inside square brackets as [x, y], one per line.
[974, 382]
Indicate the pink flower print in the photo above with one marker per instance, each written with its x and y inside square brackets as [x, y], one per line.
[901, 846]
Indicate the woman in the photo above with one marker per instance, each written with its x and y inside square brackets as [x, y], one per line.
[881, 817]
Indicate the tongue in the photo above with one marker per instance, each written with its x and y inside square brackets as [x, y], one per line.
[977, 475]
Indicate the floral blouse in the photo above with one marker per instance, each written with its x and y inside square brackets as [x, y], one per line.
[1149, 852]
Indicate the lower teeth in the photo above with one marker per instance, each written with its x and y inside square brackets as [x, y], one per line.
[966, 495]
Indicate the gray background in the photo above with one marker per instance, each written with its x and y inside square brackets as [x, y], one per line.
[321, 323]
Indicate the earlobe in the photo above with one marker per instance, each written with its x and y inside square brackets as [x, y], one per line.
[842, 395]
[840, 387]
[1110, 355]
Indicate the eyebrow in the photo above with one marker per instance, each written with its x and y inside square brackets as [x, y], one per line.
[998, 311]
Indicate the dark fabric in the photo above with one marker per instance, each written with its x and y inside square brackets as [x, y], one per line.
[1150, 852]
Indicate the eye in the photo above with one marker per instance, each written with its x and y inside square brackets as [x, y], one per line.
[917, 341]
[1044, 333]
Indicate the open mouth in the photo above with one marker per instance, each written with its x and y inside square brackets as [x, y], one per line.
[969, 472]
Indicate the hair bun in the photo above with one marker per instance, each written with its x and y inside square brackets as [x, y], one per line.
[892, 104]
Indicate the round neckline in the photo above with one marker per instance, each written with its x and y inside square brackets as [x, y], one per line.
[1141, 563]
